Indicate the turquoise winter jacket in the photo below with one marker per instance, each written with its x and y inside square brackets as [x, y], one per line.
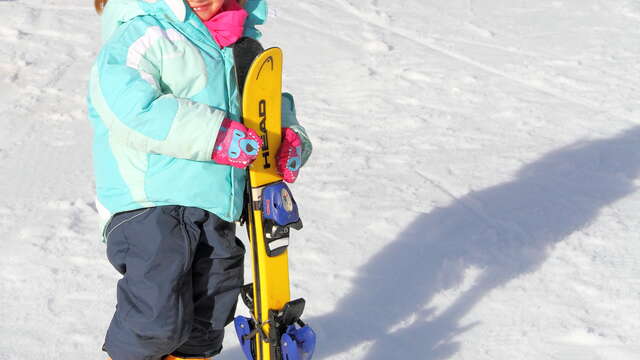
[159, 90]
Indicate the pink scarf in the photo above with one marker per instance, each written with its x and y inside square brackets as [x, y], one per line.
[227, 26]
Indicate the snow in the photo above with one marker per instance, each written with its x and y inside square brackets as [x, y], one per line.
[472, 194]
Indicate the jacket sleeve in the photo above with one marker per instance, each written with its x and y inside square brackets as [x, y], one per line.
[139, 115]
[289, 120]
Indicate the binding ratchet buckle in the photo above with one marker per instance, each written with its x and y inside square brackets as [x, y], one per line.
[280, 214]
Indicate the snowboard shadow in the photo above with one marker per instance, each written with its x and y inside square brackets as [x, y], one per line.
[503, 231]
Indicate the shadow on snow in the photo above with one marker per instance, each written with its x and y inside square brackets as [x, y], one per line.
[506, 230]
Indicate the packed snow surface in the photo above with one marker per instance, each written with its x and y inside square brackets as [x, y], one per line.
[472, 194]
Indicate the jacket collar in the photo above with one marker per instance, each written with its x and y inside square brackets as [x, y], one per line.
[119, 11]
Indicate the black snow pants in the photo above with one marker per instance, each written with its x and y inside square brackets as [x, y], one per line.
[182, 271]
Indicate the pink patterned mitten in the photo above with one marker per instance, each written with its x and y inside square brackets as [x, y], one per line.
[289, 156]
[236, 145]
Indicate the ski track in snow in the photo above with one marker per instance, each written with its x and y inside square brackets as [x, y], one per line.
[472, 193]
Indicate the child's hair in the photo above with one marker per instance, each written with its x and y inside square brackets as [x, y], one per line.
[99, 4]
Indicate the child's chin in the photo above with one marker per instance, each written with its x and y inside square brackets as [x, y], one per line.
[204, 15]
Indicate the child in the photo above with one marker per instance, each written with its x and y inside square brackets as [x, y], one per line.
[163, 101]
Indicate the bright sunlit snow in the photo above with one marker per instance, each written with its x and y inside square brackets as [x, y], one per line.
[472, 194]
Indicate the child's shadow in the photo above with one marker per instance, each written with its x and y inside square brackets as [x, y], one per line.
[504, 231]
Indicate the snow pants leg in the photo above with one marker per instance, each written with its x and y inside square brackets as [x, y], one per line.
[182, 271]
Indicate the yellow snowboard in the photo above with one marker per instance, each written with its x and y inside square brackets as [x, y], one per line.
[261, 111]
[275, 330]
